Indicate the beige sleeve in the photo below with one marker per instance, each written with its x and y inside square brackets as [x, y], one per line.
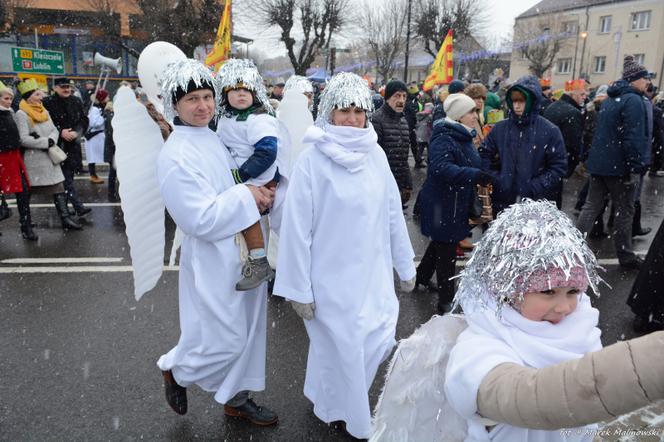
[600, 386]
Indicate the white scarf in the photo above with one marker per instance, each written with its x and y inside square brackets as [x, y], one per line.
[346, 146]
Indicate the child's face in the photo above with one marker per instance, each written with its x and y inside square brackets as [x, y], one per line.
[240, 99]
[550, 305]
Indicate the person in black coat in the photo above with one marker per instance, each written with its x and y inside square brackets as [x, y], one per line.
[67, 114]
[657, 164]
[411, 110]
[394, 135]
[448, 192]
[109, 152]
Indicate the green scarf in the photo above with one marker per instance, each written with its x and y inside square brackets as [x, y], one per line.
[242, 115]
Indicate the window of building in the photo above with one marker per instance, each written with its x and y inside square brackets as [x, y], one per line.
[640, 21]
[564, 65]
[640, 58]
[605, 24]
[599, 64]
[570, 27]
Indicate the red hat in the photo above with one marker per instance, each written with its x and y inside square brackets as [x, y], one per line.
[101, 95]
[575, 85]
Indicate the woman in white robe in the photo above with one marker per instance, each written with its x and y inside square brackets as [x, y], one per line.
[95, 137]
[342, 234]
[222, 341]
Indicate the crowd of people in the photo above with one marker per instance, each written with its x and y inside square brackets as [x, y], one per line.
[504, 153]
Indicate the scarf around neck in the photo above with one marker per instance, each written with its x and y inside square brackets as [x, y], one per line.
[346, 146]
[36, 112]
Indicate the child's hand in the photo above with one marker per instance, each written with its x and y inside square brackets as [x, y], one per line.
[263, 196]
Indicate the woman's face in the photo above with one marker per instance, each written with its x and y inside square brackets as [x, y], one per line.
[36, 97]
[6, 99]
[469, 119]
[349, 116]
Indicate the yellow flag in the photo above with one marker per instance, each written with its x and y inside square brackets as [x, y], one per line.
[442, 71]
[222, 43]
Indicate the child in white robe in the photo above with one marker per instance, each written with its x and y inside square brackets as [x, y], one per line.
[248, 128]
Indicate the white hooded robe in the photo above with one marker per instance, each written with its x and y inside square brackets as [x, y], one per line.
[342, 233]
[222, 340]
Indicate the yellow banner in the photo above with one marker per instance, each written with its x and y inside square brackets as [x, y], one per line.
[442, 71]
[222, 43]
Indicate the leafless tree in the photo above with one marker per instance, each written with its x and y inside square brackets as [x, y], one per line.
[433, 18]
[539, 41]
[384, 30]
[306, 25]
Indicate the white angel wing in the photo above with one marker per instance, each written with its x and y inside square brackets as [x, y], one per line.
[412, 405]
[138, 142]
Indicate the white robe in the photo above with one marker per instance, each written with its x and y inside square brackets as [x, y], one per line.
[222, 340]
[342, 233]
[94, 147]
[241, 136]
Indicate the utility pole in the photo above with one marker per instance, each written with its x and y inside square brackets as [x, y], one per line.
[405, 67]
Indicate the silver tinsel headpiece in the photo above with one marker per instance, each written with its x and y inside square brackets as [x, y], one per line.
[241, 71]
[300, 84]
[526, 238]
[177, 76]
[342, 91]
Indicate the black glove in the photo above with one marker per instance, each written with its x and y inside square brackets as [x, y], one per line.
[484, 179]
[34, 135]
[51, 143]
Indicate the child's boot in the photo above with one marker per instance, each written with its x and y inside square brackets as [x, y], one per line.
[255, 272]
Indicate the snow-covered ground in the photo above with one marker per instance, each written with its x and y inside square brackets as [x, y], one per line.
[644, 425]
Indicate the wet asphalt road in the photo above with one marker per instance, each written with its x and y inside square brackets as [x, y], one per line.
[79, 353]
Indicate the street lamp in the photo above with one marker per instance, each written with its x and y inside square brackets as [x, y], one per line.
[584, 34]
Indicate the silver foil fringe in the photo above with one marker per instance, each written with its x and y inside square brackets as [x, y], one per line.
[239, 70]
[526, 237]
[343, 90]
[177, 75]
[300, 84]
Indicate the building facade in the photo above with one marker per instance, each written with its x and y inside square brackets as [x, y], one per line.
[594, 36]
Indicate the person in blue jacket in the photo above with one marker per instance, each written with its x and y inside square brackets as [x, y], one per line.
[525, 153]
[447, 194]
[619, 155]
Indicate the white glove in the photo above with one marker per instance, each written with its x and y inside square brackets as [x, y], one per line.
[408, 286]
[304, 311]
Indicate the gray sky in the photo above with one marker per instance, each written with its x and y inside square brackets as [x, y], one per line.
[500, 14]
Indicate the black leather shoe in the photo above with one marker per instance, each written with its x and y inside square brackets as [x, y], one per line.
[635, 264]
[82, 211]
[255, 414]
[641, 231]
[176, 396]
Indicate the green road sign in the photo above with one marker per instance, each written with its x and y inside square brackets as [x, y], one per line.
[38, 61]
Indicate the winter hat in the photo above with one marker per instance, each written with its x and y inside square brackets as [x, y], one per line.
[602, 91]
[547, 279]
[61, 81]
[456, 86]
[575, 85]
[458, 105]
[476, 90]
[632, 70]
[101, 95]
[182, 77]
[393, 87]
[239, 73]
[525, 92]
[344, 89]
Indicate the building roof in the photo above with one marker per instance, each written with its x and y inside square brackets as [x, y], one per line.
[549, 6]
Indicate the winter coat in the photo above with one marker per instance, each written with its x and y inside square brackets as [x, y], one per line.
[68, 113]
[41, 170]
[647, 296]
[620, 145]
[447, 193]
[526, 155]
[11, 160]
[600, 386]
[394, 137]
[410, 111]
[589, 127]
[566, 114]
[109, 144]
[658, 130]
[423, 127]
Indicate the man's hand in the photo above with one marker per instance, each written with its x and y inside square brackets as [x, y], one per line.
[263, 196]
[68, 134]
[304, 311]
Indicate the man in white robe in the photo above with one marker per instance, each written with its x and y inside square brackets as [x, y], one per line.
[343, 232]
[223, 332]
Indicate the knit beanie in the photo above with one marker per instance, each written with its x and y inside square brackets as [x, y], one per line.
[632, 70]
[101, 95]
[456, 86]
[393, 87]
[458, 105]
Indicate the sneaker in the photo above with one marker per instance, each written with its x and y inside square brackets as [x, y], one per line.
[255, 414]
[176, 395]
[255, 272]
[634, 264]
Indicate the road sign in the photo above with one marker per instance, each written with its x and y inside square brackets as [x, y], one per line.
[38, 61]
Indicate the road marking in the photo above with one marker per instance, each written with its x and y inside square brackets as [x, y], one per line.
[58, 260]
[12, 203]
[77, 269]
[87, 177]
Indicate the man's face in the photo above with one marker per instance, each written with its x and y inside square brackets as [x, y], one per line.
[518, 103]
[579, 96]
[278, 91]
[63, 90]
[641, 84]
[196, 108]
[398, 101]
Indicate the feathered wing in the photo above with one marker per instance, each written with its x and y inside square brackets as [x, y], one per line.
[138, 142]
[412, 405]
[294, 119]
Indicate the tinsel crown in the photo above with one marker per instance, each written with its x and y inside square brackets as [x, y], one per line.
[343, 90]
[300, 84]
[177, 76]
[241, 71]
